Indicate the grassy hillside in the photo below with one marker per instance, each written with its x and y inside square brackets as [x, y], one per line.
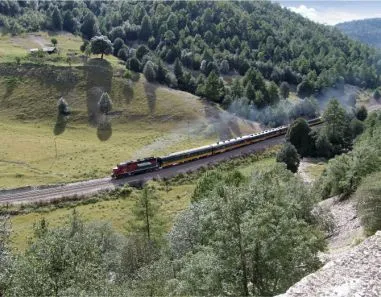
[38, 147]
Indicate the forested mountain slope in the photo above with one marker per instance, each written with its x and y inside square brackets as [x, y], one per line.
[367, 31]
[205, 39]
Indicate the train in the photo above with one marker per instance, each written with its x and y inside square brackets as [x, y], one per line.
[138, 166]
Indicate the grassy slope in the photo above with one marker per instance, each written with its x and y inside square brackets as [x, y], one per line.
[147, 119]
[118, 212]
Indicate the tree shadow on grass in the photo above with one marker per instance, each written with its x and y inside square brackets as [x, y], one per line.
[128, 91]
[150, 90]
[99, 75]
[60, 125]
[104, 129]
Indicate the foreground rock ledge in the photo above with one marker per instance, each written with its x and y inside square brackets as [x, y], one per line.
[354, 273]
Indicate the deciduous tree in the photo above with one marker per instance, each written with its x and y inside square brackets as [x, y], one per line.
[101, 45]
[289, 155]
[298, 134]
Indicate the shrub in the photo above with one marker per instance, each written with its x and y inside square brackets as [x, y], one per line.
[149, 71]
[133, 64]
[289, 155]
[369, 203]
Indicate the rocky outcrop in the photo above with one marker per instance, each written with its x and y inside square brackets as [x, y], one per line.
[356, 272]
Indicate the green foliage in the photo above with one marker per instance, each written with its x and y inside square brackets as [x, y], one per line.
[149, 71]
[141, 52]
[337, 126]
[224, 67]
[5, 259]
[236, 89]
[147, 219]
[70, 24]
[366, 31]
[84, 45]
[273, 95]
[178, 69]
[101, 45]
[345, 172]
[237, 235]
[289, 155]
[284, 90]
[117, 45]
[206, 184]
[146, 28]
[368, 196]
[105, 103]
[298, 134]
[133, 64]
[89, 27]
[57, 19]
[116, 32]
[305, 89]
[54, 41]
[376, 94]
[361, 113]
[72, 260]
[123, 53]
[161, 73]
[63, 107]
[241, 35]
[357, 127]
[213, 87]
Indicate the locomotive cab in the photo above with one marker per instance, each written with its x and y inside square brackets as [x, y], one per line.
[114, 172]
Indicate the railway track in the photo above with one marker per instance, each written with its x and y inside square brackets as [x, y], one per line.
[17, 196]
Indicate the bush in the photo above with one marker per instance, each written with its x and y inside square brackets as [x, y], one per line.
[361, 113]
[149, 71]
[289, 155]
[133, 64]
[369, 203]
[63, 107]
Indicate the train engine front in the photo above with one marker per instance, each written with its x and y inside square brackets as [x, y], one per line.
[135, 167]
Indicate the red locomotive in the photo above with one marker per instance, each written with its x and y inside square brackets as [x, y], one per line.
[136, 166]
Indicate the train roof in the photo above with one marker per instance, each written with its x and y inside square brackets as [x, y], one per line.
[232, 140]
[223, 142]
[135, 161]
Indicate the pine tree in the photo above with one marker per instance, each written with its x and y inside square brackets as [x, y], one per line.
[289, 155]
[178, 69]
[298, 134]
[105, 103]
[250, 92]
[361, 113]
[273, 94]
[236, 88]
[57, 19]
[89, 26]
[212, 87]
[161, 73]
[69, 23]
[146, 28]
[117, 45]
[149, 71]
[146, 211]
[284, 90]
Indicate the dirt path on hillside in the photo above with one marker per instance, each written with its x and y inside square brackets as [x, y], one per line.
[347, 227]
[303, 171]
